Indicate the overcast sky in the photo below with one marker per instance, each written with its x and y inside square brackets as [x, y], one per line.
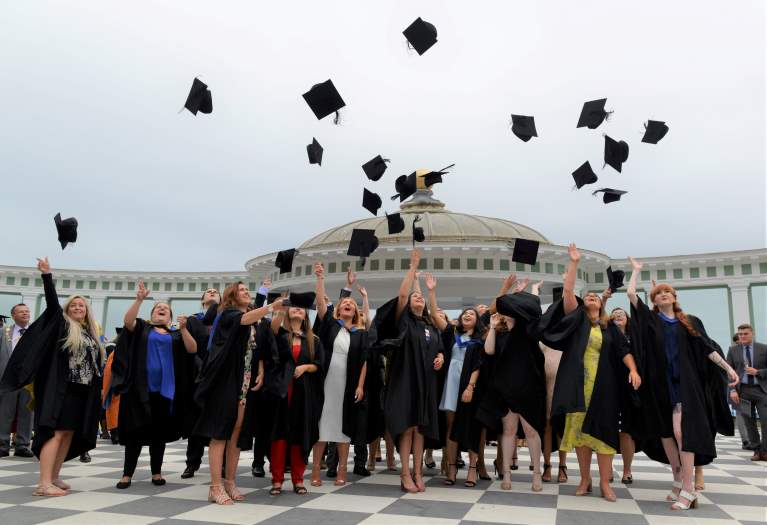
[90, 125]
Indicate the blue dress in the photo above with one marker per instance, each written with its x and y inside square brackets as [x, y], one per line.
[450, 392]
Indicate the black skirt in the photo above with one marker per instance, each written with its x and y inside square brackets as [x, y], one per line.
[73, 407]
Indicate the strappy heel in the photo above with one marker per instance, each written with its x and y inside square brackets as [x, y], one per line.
[506, 485]
[469, 483]
[673, 496]
[61, 484]
[231, 489]
[582, 492]
[276, 490]
[692, 501]
[514, 465]
[546, 477]
[562, 476]
[316, 481]
[608, 495]
[450, 481]
[49, 491]
[419, 484]
[407, 489]
[539, 486]
[217, 495]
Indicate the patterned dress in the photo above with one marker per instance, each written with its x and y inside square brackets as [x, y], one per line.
[573, 435]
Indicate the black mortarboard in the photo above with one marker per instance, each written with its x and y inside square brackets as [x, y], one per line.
[556, 293]
[421, 35]
[374, 168]
[301, 300]
[525, 251]
[272, 296]
[395, 223]
[118, 329]
[616, 153]
[523, 127]
[592, 114]
[584, 175]
[405, 186]
[362, 243]
[435, 177]
[418, 235]
[324, 99]
[615, 278]
[284, 260]
[371, 201]
[3, 318]
[611, 195]
[314, 150]
[200, 98]
[654, 130]
[67, 229]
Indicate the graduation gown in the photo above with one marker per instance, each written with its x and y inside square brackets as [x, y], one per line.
[703, 388]
[137, 422]
[466, 432]
[220, 383]
[375, 386]
[630, 402]
[519, 377]
[259, 412]
[570, 334]
[40, 358]
[353, 412]
[296, 421]
[412, 398]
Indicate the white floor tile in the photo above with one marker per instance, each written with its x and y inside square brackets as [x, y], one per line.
[101, 518]
[446, 494]
[389, 519]
[238, 514]
[511, 514]
[598, 504]
[745, 513]
[197, 492]
[347, 502]
[85, 501]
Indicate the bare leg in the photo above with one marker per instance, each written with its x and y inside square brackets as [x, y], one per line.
[48, 456]
[700, 484]
[317, 451]
[374, 449]
[508, 445]
[233, 456]
[481, 467]
[471, 475]
[216, 450]
[562, 475]
[343, 458]
[627, 452]
[687, 458]
[534, 444]
[66, 441]
[547, 452]
[405, 445]
[605, 463]
[418, 460]
[391, 461]
[451, 449]
[584, 466]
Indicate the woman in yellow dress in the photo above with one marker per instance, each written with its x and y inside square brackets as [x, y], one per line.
[586, 392]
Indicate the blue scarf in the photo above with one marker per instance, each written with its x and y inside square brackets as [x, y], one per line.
[213, 330]
[342, 325]
[463, 344]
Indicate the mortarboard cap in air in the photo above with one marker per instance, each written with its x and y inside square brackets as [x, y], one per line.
[395, 223]
[421, 35]
[363, 243]
[654, 130]
[199, 98]
[324, 99]
[525, 251]
[523, 127]
[610, 195]
[584, 175]
[615, 278]
[592, 114]
[314, 150]
[67, 230]
[616, 153]
[371, 201]
[374, 168]
[284, 260]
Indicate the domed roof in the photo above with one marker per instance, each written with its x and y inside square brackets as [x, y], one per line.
[440, 226]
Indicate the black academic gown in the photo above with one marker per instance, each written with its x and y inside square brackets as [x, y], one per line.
[630, 402]
[39, 358]
[519, 378]
[466, 432]
[412, 398]
[297, 421]
[220, 383]
[570, 334]
[259, 412]
[375, 390]
[137, 424]
[353, 412]
[703, 388]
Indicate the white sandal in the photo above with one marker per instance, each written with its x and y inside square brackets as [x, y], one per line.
[672, 496]
[692, 501]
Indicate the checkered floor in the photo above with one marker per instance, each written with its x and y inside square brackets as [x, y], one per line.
[736, 492]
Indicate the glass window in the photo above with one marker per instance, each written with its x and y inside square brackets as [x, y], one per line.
[10, 281]
[580, 273]
[389, 264]
[710, 271]
[168, 286]
[131, 286]
[308, 269]
[487, 264]
[358, 266]
[759, 312]
[252, 287]
[549, 268]
[25, 281]
[345, 266]
[745, 269]
[694, 273]
[729, 270]
[471, 264]
[645, 275]
[179, 287]
[536, 267]
[661, 274]
[156, 287]
[332, 267]
[115, 311]
[298, 271]
[204, 286]
[711, 306]
[65, 283]
[677, 273]
[762, 267]
[185, 306]
[504, 265]
[192, 287]
[560, 269]
[423, 263]
[520, 267]
[404, 264]
[9, 300]
[375, 265]
[38, 282]
[218, 286]
[105, 285]
[455, 263]
[92, 285]
[439, 263]
[79, 285]
[599, 277]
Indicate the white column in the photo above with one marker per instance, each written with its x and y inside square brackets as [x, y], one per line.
[97, 308]
[741, 312]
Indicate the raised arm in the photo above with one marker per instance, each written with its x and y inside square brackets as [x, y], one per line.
[506, 285]
[257, 314]
[438, 320]
[490, 339]
[568, 293]
[536, 288]
[130, 316]
[631, 288]
[190, 344]
[407, 282]
[365, 306]
[51, 297]
[319, 289]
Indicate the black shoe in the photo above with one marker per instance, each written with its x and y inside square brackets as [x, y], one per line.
[429, 464]
[258, 471]
[188, 473]
[361, 471]
[158, 482]
[105, 436]
[332, 473]
[23, 453]
[5, 453]
[85, 458]
[460, 463]
[122, 485]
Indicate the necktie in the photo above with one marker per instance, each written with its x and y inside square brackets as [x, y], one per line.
[21, 331]
[750, 362]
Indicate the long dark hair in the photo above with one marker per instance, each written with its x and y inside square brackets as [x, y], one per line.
[479, 327]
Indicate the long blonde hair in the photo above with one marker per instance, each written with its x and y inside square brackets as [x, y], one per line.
[356, 319]
[74, 339]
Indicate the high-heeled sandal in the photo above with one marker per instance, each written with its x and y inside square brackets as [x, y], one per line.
[469, 483]
[699, 483]
[450, 481]
[49, 491]
[673, 496]
[496, 472]
[608, 496]
[407, 489]
[299, 489]
[581, 492]
[217, 495]
[506, 485]
[419, 484]
[562, 476]
[275, 490]
[627, 480]
[485, 476]
[430, 464]
[315, 477]
[539, 486]
[61, 484]
[340, 477]
[514, 465]
[231, 489]
[546, 477]
[692, 501]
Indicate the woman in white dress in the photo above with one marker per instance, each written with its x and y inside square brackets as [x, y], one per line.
[342, 333]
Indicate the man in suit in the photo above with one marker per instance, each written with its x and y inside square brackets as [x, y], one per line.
[749, 359]
[13, 405]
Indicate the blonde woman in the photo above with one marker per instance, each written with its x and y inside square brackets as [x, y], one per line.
[61, 354]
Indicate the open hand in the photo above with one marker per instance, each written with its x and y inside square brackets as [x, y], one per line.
[431, 282]
[142, 292]
[573, 252]
[43, 265]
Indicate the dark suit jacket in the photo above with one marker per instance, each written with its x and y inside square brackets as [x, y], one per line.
[736, 358]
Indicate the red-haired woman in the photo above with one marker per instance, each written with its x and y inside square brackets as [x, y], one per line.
[60, 352]
[686, 403]
[293, 385]
[152, 372]
[586, 392]
[223, 387]
[345, 341]
[412, 398]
